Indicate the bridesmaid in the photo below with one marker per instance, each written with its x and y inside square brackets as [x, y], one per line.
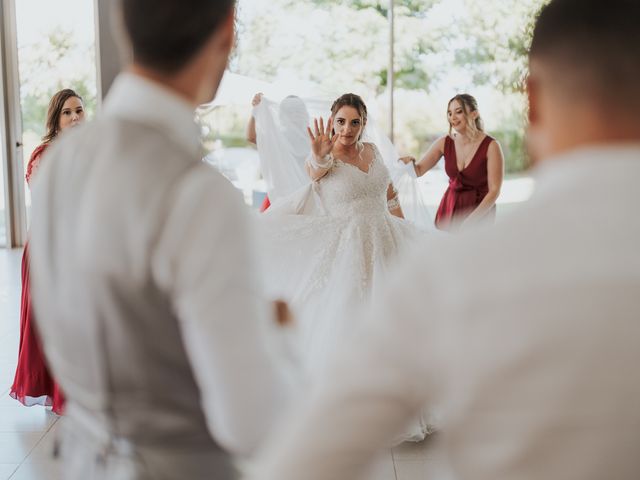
[33, 384]
[473, 162]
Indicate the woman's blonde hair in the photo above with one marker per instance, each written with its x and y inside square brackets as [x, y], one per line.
[469, 105]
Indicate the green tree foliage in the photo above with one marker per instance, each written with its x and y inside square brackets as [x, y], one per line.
[337, 43]
[442, 47]
[57, 61]
[496, 41]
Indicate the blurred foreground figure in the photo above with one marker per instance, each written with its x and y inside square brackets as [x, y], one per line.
[142, 269]
[530, 340]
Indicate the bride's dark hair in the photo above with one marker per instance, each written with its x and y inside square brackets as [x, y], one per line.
[351, 100]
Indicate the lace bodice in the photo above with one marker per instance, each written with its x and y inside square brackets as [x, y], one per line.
[347, 190]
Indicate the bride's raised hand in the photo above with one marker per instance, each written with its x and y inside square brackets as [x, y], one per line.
[322, 140]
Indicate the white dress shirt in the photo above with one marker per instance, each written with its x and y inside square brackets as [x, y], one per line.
[151, 314]
[525, 334]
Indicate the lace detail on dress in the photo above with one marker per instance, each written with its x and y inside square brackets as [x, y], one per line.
[346, 190]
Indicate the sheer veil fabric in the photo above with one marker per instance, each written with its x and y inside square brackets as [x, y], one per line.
[283, 144]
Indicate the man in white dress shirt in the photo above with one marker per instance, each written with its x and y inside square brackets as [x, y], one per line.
[143, 275]
[526, 334]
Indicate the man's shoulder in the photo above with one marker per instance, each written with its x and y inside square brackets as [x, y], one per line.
[118, 132]
[112, 138]
[117, 146]
[106, 134]
[475, 260]
[208, 182]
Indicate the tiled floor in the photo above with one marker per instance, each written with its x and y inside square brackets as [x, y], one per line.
[27, 434]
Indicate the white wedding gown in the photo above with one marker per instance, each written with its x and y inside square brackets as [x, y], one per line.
[327, 248]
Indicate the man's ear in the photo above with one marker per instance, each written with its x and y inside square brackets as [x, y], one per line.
[227, 30]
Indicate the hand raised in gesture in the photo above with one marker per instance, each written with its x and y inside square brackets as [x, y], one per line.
[322, 140]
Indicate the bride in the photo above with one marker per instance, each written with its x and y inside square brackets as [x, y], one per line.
[328, 246]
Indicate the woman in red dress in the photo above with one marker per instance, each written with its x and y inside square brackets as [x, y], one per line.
[473, 162]
[33, 384]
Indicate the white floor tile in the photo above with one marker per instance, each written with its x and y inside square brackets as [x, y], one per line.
[7, 372]
[9, 347]
[43, 451]
[19, 418]
[10, 320]
[16, 446]
[38, 471]
[7, 401]
[7, 469]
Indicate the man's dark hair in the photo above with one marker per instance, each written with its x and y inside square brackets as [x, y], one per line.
[593, 44]
[166, 34]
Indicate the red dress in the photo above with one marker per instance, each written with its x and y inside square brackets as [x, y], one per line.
[33, 384]
[466, 188]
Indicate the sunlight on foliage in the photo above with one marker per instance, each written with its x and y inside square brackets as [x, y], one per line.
[442, 47]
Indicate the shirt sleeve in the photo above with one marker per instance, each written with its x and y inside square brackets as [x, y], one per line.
[204, 259]
[374, 388]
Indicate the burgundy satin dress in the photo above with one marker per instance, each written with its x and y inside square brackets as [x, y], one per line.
[466, 188]
[33, 383]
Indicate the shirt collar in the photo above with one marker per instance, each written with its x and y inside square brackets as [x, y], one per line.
[139, 99]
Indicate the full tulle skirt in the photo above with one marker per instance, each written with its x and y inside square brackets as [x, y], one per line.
[326, 266]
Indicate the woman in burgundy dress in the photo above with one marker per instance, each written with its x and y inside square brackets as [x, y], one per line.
[473, 162]
[33, 384]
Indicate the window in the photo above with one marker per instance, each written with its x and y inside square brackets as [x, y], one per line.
[56, 50]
